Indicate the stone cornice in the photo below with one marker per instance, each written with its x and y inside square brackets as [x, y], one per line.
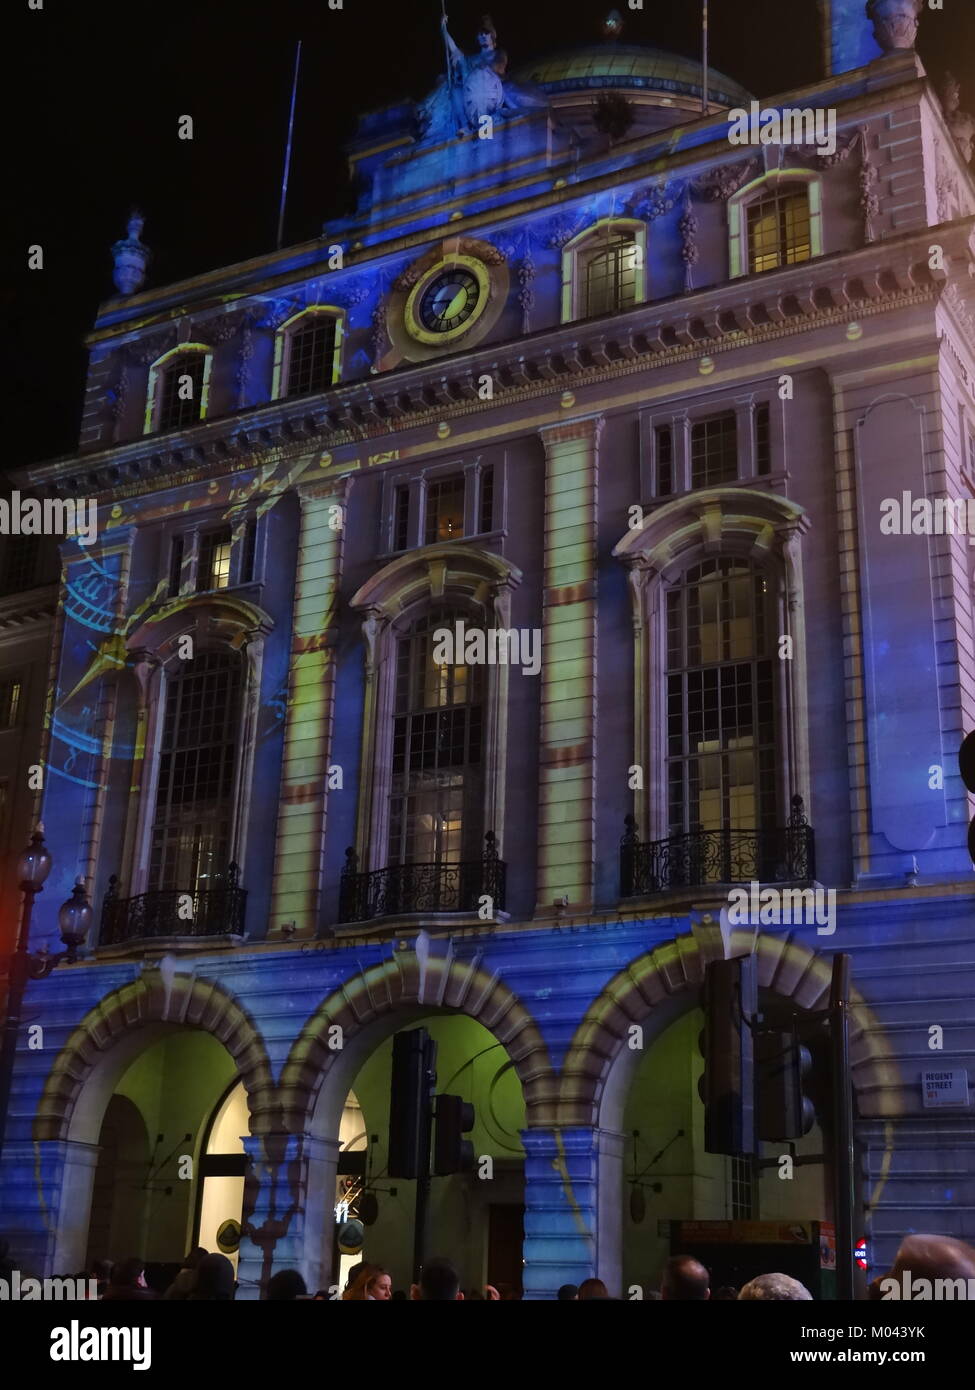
[878, 278]
[27, 608]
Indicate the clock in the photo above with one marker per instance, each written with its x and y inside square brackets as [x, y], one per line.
[447, 300]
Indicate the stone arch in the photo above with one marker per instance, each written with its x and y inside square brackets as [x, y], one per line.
[123, 1022]
[658, 978]
[409, 985]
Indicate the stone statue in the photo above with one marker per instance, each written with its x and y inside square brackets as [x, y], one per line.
[960, 123]
[894, 23]
[473, 87]
[130, 257]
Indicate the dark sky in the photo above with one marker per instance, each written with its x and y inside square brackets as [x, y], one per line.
[110, 79]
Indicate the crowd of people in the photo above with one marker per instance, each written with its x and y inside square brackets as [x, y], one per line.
[205, 1276]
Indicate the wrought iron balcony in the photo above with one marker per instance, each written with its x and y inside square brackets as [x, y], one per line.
[217, 911]
[784, 854]
[422, 888]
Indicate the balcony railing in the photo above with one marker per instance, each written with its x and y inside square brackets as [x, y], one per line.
[785, 854]
[216, 911]
[422, 888]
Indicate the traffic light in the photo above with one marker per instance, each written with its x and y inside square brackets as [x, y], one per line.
[730, 1001]
[782, 1066]
[966, 766]
[414, 1079]
[452, 1153]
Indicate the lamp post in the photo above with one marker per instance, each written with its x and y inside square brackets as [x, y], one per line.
[74, 919]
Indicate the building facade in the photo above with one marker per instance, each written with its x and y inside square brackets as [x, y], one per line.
[485, 593]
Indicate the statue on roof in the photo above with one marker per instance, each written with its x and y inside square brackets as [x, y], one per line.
[474, 86]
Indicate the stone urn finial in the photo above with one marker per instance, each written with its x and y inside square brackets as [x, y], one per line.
[894, 23]
[130, 257]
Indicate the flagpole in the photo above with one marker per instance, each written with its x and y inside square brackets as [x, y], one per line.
[287, 153]
[704, 58]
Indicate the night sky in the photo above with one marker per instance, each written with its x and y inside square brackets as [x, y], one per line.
[110, 79]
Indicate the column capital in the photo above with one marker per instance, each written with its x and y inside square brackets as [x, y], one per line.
[588, 427]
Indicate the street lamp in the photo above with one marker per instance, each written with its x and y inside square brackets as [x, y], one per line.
[74, 919]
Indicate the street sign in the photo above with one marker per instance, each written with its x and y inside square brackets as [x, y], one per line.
[945, 1089]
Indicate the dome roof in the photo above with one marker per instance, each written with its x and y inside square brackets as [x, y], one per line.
[630, 65]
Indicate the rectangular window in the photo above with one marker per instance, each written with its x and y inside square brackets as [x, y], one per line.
[714, 450]
[175, 566]
[779, 231]
[611, 276]
[401, 518]
[741, 1189]
[19, 563]
[763, 441]
[311, 356]
[445, 509]
[486, 518]
[213, 571]
[248, 551]
[664, 437]
[10, 695]
[181, 392]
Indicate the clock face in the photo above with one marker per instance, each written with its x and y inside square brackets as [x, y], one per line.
[449, 300]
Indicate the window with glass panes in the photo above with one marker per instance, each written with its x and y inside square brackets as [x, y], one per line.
[311, 355]
[741, 1188]
[190, 844]
[763, 440]
[665, 460]
[213, 569]
[714, 450]
[435, 814]
[19, 563]
[721, 723]
[445, 509]
[779, 229]
[10, 700]
[610, 275]
[181, 391]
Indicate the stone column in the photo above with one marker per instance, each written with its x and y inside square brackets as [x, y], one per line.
[45, 1204]
[567, 733]
[296, 893]
[560, 1209]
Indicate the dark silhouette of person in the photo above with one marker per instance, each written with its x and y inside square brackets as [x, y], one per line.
[286, 1286]
[215, 1281]
[439, 1283]
[685, 1280]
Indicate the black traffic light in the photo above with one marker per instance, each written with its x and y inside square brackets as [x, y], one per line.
[410, 1104]
[452, 1153]
[730, 1001]
[966, 766]
[782, 1066]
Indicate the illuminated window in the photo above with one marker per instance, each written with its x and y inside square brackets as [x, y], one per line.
[190, 844]
[10, 700]
[610, 270]
[436, 790]
[779, 230]
[311, 355]
[180, 391]
[213, 571]
[714, 450]
[445, 509]
[721, 726]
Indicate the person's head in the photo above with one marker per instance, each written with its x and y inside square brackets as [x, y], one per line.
[439, 1283]
[592, 1288]
[380, 1286]
[568, 1293]
[372, 1282]
[285, 1286]
[193, 1257]
[399, 1296]
[487, 36]
[129, 1274]
[685, 1280]
[726, 1294]
[354, 1272]
[776, 1288]
[215, 1282]
[933, 1257]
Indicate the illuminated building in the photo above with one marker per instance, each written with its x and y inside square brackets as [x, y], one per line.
[575, 366]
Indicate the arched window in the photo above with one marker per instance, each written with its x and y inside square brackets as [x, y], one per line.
[721, 696]
[190, 844]
[179, 386]
[436, 791]
[604, 269]
[775, 221]
[308, 352]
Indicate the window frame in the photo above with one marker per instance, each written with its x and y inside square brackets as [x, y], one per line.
[417, 485]
[574, 302]
[159, 370]
[282, 349]
[739, 257]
